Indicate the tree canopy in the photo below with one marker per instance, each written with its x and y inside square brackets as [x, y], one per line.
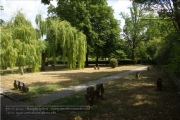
[95, 19]
[169, 15]
[72, 42]
[62, 37]
[19, 46]
[135, 28]
[166, 9]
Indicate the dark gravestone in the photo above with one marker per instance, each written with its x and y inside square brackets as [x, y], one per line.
[138, 74]
[25, 88]
[90, 95]
[100, 90]
[148, 68]
[19, 85]
[15, 84]
[94, 67]
[159, 84]
[98, 67]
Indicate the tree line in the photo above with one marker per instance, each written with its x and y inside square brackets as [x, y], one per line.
[82, 29]
[21, 44]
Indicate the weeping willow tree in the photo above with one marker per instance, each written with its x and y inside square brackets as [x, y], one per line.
[20, 45]
[41, 25]
[72, 42]
[42, 28]
[8, 53]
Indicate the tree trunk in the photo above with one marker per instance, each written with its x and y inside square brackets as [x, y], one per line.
[43, 62]
[97, 57]
[133, 49]
[21, 70]
[132, 56]
[86, 59]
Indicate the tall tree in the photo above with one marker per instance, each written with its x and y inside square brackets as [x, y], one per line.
[77, 13]
[147, 47]
[72, 41]
[41, 31]
[19, 45]
[95, 19]
[107, 29]
[133, 31]
[169, 10]
[8, 53]
[165, 8]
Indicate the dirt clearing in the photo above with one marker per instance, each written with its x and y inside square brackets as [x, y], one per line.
[65, 78]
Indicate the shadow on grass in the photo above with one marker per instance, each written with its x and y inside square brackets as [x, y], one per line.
[41, 89]
[129, 98]
[38, 88]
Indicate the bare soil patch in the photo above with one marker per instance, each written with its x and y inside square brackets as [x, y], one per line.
[63, 78]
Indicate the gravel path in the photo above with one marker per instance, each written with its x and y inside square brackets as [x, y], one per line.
[68, 91]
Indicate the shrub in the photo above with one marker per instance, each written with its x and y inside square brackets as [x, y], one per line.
[127, 62]
[113, 62]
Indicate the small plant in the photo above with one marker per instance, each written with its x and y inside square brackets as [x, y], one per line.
[113, 63]
[78, 118]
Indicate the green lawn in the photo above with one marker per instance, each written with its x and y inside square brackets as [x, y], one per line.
[129, 98]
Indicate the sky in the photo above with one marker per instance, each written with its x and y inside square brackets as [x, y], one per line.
[31, 8]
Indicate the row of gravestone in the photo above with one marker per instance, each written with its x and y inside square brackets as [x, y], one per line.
[94, 94]
[96, 67]
[20, 86]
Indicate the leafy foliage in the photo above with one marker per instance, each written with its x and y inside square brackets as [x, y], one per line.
[135, 28]
[167, 9]
[19, 45]
[60, 34]
[170, 61]
[95, 19]
[113, 63]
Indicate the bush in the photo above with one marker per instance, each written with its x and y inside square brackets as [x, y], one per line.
[3, 67]
[127, 62]
[113, 63]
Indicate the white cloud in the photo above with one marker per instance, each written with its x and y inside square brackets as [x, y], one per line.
[120, 6]
[33, 7]
[29, 8]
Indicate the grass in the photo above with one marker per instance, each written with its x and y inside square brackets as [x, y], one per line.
[39, 90]
[129, 98]
[50, 81]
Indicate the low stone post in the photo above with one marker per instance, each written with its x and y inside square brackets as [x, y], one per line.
[15, 84]
[138, 74]
[159, 84]
[25, 88]
[148, 68]
[94, 67]
[100, 89]
[90, 95]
